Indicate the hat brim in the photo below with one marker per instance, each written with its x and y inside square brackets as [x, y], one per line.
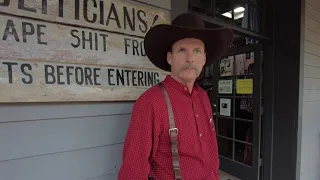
[160, 38]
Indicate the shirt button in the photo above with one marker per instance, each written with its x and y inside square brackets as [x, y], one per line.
[185, 88]
[200, 134]
[197, 115]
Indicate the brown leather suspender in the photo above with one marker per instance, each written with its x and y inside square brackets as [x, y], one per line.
[173, 133]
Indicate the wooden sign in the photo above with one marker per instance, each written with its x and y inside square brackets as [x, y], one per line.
[132, 18]
[76, 50]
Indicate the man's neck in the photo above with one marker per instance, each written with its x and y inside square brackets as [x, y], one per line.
[189, 84]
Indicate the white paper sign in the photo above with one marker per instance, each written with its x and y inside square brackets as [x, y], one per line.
[225, 86]
[225, 107]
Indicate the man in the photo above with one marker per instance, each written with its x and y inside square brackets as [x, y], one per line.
[183, 48]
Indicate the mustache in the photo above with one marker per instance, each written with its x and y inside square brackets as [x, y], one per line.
[189, 66]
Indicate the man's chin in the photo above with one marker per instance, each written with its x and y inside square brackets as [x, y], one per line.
[189, 78]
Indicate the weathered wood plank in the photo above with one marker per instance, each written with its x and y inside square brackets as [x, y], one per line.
[314, 4]
[312, 12]
[166, 4]
[120, 16]
[21, 112]
[312, 36]
[312, 48]
[73, 165]
[311, 60]
[47, 82]
[312, 24]
[53, 136]
[106, 177]
[312, 83]
[311, 95]
[103, 60]
[311, 72]
[311, 107]
[24, 39]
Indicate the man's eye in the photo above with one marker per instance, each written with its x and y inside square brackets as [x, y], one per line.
[181, 50]
[198, 51]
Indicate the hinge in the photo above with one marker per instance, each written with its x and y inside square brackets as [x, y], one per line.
[260, 162]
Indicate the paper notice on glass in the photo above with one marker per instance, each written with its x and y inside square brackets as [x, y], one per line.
[244, 86]
[225, 86]
[225, 107]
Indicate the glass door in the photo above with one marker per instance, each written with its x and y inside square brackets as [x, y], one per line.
[236, 101]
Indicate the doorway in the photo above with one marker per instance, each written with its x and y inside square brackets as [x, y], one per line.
[234, 86]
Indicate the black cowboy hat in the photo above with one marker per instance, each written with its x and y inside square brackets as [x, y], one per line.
[159, 39]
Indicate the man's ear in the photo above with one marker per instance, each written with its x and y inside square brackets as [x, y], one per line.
[169, 58]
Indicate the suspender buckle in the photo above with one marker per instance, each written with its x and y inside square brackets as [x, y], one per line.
[177, 174]
[173, 130]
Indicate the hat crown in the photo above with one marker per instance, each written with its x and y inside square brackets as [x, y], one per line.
[188, 20]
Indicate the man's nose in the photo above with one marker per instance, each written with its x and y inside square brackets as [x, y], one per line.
[189, 57]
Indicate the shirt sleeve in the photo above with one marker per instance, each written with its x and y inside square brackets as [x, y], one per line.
[138, 145]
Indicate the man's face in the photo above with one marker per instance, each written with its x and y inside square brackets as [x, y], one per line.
[187, 59]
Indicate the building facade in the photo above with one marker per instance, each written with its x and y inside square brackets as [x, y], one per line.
[65, 139]
[52, 130]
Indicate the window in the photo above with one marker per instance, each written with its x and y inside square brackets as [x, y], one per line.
[242, 13]
[235, 110]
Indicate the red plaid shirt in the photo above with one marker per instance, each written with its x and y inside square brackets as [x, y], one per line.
[147, 145]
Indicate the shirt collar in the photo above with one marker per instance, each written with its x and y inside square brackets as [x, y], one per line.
[172, 83]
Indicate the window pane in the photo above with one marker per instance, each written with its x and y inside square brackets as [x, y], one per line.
[223, 10]
[226, 66]
[243, 153]
[225, 127]
[225, 86]
[244, 108]
[225, 107]
[203, 6]
[254, 19]
[239, 13]
[225, 147]
[244, 64]
[243, 131]
[230, 11]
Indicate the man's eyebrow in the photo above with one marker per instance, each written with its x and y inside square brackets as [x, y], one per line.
[202, 48]
[181, 47]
